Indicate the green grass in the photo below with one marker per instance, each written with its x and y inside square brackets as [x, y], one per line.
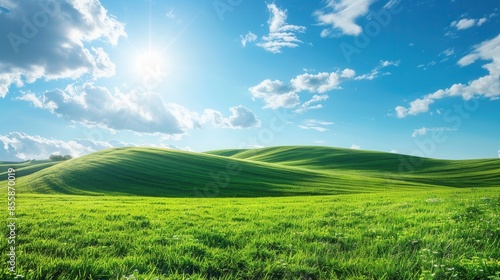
[439, 234]
[277, 171]
[272, 213]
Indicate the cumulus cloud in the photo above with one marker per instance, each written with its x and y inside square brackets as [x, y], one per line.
[135, 111]
[467, 23]
[320, 83]
[241, 117]
[416, 107]
[141, 112]
[277, 94]
[341, 16]
[487, 86]
[19, 146]
[425, 130]
[281, 34]
[313, 124]
[50, 40]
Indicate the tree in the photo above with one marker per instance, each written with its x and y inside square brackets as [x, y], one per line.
[59, 157]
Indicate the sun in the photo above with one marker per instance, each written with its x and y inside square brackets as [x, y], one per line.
[149, 63]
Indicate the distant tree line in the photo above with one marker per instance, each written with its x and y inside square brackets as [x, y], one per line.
[59, 157]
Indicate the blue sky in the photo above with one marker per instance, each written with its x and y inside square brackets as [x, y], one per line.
[411, 77]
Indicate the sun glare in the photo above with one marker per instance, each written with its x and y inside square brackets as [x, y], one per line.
[149, 63]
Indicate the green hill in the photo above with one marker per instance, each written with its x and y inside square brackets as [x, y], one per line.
[24, 168]
[276, 171]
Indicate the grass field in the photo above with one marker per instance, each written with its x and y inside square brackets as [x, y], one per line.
[399, 235]
[273, 213]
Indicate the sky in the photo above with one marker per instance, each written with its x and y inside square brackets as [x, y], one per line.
[416, 77]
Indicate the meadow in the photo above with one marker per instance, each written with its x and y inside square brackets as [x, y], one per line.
[275, 213]
[398, 235]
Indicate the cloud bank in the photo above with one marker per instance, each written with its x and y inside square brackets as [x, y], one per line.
[141, 112]
[49, 39]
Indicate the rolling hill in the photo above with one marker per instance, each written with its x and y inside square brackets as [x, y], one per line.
[275, 171]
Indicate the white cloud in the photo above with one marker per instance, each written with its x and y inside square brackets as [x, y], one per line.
[58, 45]
[317, 125]
[321, 82]
[340, 15]
[281, 34]
[420, 131]
[134, 111]
[19, 146]
[308, 105]
[250, 37]
[277, 94]
[103, 65]
[487, 86]
[481, 21]
[463, 23]
[426, 66]
[467, 23]
[348, 73]
[394, 151]
[241, 117]
[448, 52]
[387, 63]
[425, 130]
[416, 107]
[32, 98]
[376, 71]
[355, 147]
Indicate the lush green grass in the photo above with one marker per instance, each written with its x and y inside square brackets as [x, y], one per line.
[277, 171]
[433, 234]
[129, 214]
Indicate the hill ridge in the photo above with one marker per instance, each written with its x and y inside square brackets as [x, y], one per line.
[273, 171]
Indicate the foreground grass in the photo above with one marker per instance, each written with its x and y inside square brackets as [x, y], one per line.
[443, 234]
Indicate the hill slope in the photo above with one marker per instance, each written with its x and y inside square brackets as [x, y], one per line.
[455, 173]
[277, 171]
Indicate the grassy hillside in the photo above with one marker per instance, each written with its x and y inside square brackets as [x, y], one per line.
[24, 168]
[277, 171]
[455, 173]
